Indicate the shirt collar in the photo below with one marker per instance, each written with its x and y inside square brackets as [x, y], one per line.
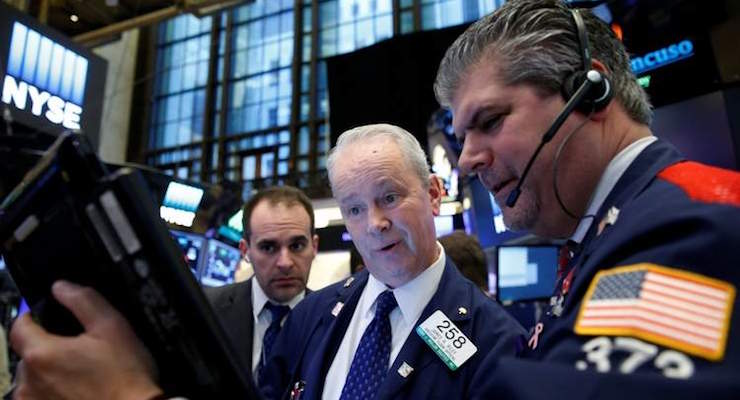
[608, 180]
[259, 299]
[414, 295]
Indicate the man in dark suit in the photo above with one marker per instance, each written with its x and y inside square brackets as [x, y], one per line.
[409, 326]
[280, 243]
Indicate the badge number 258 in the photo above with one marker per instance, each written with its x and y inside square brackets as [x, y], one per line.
[446, 339]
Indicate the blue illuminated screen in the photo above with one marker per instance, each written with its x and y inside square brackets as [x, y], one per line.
[219, 264]
[526, 272]
[47, 65]
[192, 248]
[233, 228]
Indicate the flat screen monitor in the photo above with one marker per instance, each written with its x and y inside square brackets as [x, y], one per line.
[192, 248]
[526, 272]
[219, 264]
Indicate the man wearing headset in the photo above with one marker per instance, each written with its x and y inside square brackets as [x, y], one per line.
[645, 303]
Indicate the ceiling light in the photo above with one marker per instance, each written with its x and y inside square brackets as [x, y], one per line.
[74, 18]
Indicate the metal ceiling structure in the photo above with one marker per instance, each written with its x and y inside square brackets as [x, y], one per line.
[93, 22]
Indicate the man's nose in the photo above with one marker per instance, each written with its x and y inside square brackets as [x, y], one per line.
[377, 221]
[285, 260]
[475, 156]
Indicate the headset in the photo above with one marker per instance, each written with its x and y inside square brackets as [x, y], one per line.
[586, 90]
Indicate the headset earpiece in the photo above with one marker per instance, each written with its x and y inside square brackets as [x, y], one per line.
[600, 94]
[597, 98]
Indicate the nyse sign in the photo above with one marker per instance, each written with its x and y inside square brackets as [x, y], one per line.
[44, 78]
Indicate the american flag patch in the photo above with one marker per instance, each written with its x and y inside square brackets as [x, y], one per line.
[670, 307]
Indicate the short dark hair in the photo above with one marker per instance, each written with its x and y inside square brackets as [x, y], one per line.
[468, 256]
[287, 195]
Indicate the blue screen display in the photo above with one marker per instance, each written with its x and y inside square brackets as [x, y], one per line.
[192, 248]
[526, 272]
[219, 264]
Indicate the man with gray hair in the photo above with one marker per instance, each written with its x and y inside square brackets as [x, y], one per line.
[555, 125]
[409, 326]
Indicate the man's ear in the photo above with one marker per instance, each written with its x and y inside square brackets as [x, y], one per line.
[435, 193]
[599, 66]
[244, 248]
[315, 244]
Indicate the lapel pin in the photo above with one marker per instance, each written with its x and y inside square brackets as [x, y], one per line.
[462, 311]
[349, 281]
[337, 308]
[609, 219]
[405, 370]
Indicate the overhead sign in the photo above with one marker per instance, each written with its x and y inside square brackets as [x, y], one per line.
[662, 57]
[49, 83]
[45, 78]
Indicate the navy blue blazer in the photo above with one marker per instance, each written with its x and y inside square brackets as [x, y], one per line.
[311, 336]
[658, 223]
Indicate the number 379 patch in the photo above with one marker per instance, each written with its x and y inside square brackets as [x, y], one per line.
[446, 339]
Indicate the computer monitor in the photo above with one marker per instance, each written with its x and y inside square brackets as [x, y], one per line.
[219, 264]
[526, 272]
[192, 247]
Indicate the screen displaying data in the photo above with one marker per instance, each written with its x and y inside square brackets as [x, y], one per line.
[219, 264]
[192, 246]
[526, 272]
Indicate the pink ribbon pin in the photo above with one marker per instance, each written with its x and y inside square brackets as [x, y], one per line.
[536, 335]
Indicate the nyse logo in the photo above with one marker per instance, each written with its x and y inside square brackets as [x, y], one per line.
[45, 77]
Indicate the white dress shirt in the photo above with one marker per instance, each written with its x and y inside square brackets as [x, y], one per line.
[412, 298]
[608, 180]
[263, 318]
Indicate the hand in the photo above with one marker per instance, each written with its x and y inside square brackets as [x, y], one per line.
[106, 361]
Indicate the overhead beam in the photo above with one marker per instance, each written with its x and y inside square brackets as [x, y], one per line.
[136, 22]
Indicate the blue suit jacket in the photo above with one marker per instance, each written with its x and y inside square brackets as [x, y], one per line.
[311, 336]
[657, 223]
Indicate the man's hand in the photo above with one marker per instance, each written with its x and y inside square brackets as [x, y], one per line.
[107, 361]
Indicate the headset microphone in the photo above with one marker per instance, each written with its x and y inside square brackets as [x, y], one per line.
[594, 82]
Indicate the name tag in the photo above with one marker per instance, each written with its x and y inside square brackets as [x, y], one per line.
[446, 339]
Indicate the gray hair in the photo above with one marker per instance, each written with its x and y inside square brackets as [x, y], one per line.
[408, 145]
[536, 42]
